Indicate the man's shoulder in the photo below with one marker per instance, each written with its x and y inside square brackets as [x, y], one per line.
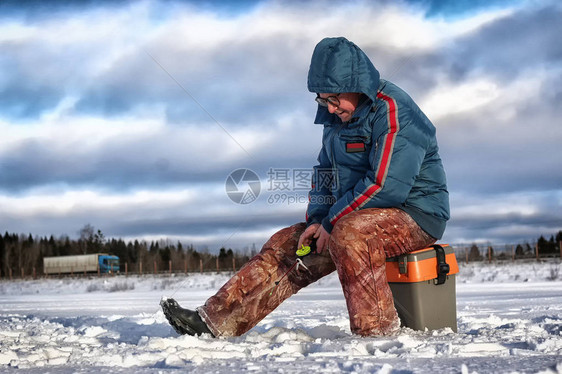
[390, 91]
[390, 97]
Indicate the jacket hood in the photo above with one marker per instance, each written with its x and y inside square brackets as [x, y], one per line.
[338, 66]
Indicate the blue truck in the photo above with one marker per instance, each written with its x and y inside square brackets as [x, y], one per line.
[91, 263]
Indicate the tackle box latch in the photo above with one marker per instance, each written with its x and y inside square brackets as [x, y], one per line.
[403, 264]
[443, 267]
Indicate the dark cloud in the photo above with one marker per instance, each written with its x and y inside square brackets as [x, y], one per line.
[202, 225]
[503, 228]
[23, 100]
[35, 164]
[507, 48]
[23, 94]
[40, 9]
[240, 82]
[484, 152]
[161, 160]
[513, 45]
[416, 72]
[35, 10]
[458, 8]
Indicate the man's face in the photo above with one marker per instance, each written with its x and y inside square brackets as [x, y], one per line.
[347, 103]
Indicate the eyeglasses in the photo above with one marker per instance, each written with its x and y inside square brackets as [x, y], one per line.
[333, 100]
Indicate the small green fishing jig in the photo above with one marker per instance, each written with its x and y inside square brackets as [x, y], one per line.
[304, 250]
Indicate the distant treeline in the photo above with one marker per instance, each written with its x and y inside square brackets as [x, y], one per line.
[544, 247]
[21, 253]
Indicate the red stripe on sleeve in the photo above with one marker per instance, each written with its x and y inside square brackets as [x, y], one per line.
[384, 164]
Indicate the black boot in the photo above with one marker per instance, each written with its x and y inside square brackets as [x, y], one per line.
[184, 321]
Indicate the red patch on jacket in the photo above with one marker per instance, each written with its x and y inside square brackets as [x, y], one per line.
[354, 147]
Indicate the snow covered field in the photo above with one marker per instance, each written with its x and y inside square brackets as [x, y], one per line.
[509, 321]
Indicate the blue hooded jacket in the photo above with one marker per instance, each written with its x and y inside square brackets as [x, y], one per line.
[385, 156]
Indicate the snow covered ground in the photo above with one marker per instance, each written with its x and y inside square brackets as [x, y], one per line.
[509, 321]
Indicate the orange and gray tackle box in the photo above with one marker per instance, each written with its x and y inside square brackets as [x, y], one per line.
[423, 286]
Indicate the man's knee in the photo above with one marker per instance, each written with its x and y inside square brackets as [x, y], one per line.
[283, 237]
[353, 230]
[344, 234]
[350, 226]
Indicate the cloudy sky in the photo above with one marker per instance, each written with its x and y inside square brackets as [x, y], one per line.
[130, 116]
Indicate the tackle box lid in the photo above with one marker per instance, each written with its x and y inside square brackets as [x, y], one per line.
[419, 266]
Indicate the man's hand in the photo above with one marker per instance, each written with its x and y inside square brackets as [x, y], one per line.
[315, 231]
[308, 234]
[322, 237]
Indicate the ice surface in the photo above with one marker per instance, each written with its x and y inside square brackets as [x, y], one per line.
[509, 321]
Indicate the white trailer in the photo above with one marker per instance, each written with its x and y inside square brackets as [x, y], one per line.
[81, 263]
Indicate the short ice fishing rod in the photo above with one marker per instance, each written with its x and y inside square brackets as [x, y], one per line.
[303, 251]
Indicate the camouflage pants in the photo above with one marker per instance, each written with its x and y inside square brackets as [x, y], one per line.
[358, 247]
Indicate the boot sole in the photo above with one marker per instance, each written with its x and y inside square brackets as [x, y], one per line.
[167, 308]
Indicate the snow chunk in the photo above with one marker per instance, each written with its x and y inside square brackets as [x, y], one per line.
[94, 331]
[7, 357]
[483, 349]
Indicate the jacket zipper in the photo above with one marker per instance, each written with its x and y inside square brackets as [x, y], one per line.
[334, 165]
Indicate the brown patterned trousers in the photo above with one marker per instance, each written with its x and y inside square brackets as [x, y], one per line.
[359, 245]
